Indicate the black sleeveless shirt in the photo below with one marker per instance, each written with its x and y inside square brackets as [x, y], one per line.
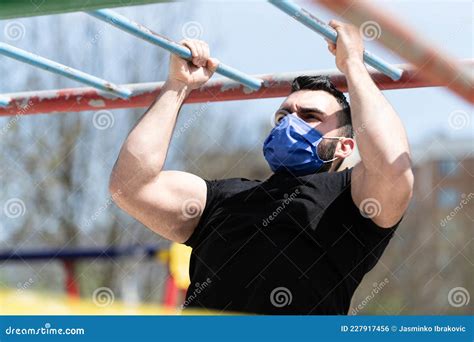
[286, 245]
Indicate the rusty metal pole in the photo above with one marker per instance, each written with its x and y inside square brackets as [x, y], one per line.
[143, 94]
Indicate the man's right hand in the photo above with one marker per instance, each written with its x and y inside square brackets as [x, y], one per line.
[195, 73]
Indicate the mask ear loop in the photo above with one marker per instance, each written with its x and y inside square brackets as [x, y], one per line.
[332, 138]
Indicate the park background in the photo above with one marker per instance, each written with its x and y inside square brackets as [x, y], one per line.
[54, 168]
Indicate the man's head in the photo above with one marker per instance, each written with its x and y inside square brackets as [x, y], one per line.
[321, 105]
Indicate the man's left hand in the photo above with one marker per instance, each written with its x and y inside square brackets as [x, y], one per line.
[349, 46]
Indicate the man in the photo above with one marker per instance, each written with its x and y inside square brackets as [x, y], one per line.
[300, 241]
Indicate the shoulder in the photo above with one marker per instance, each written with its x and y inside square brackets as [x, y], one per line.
[220, 189]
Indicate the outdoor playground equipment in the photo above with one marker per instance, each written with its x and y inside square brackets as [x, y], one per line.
[429, 67]
[176, 258]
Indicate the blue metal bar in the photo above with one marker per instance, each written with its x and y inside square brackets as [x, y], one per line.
[144, 33]
[4, 101]
[328, 32]
[63, 70]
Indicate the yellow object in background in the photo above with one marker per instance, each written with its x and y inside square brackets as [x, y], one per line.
[179, 256]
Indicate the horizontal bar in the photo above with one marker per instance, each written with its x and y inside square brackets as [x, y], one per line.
[4, 101]
[63, 70]
[328, 32]
[144, 33]
[80, 253]
[433, 64]
[277, 85]
[29, 8]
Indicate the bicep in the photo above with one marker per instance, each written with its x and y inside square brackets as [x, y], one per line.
[170, 205]
[380, 197]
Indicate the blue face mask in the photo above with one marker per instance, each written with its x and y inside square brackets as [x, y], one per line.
[293, 146]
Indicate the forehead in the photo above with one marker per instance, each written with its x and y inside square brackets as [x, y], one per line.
[312, 99]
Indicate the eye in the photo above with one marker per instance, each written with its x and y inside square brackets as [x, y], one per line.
[280, 115]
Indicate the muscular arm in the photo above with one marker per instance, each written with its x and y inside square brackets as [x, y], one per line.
[168, 202]
[384, 174]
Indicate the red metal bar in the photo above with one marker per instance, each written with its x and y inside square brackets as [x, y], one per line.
[433, 64]
[171, 294]
[143, 94]
[72, 287]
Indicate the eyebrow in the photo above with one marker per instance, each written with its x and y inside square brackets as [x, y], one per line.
[307, 110]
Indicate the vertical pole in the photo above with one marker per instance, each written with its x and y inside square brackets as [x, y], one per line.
[71, 285]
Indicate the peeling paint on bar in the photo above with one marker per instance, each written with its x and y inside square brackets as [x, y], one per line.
[143, 94]
[4, 101]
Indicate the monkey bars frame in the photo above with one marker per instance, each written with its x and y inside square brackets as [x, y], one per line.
[432, 67]
[143, 94]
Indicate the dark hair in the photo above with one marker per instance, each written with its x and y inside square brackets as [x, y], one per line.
[325, 84]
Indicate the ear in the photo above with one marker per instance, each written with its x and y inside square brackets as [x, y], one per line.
[347, 150]
[344, 148]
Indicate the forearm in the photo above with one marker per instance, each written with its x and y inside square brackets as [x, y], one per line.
[380, 134]
[144, 152]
